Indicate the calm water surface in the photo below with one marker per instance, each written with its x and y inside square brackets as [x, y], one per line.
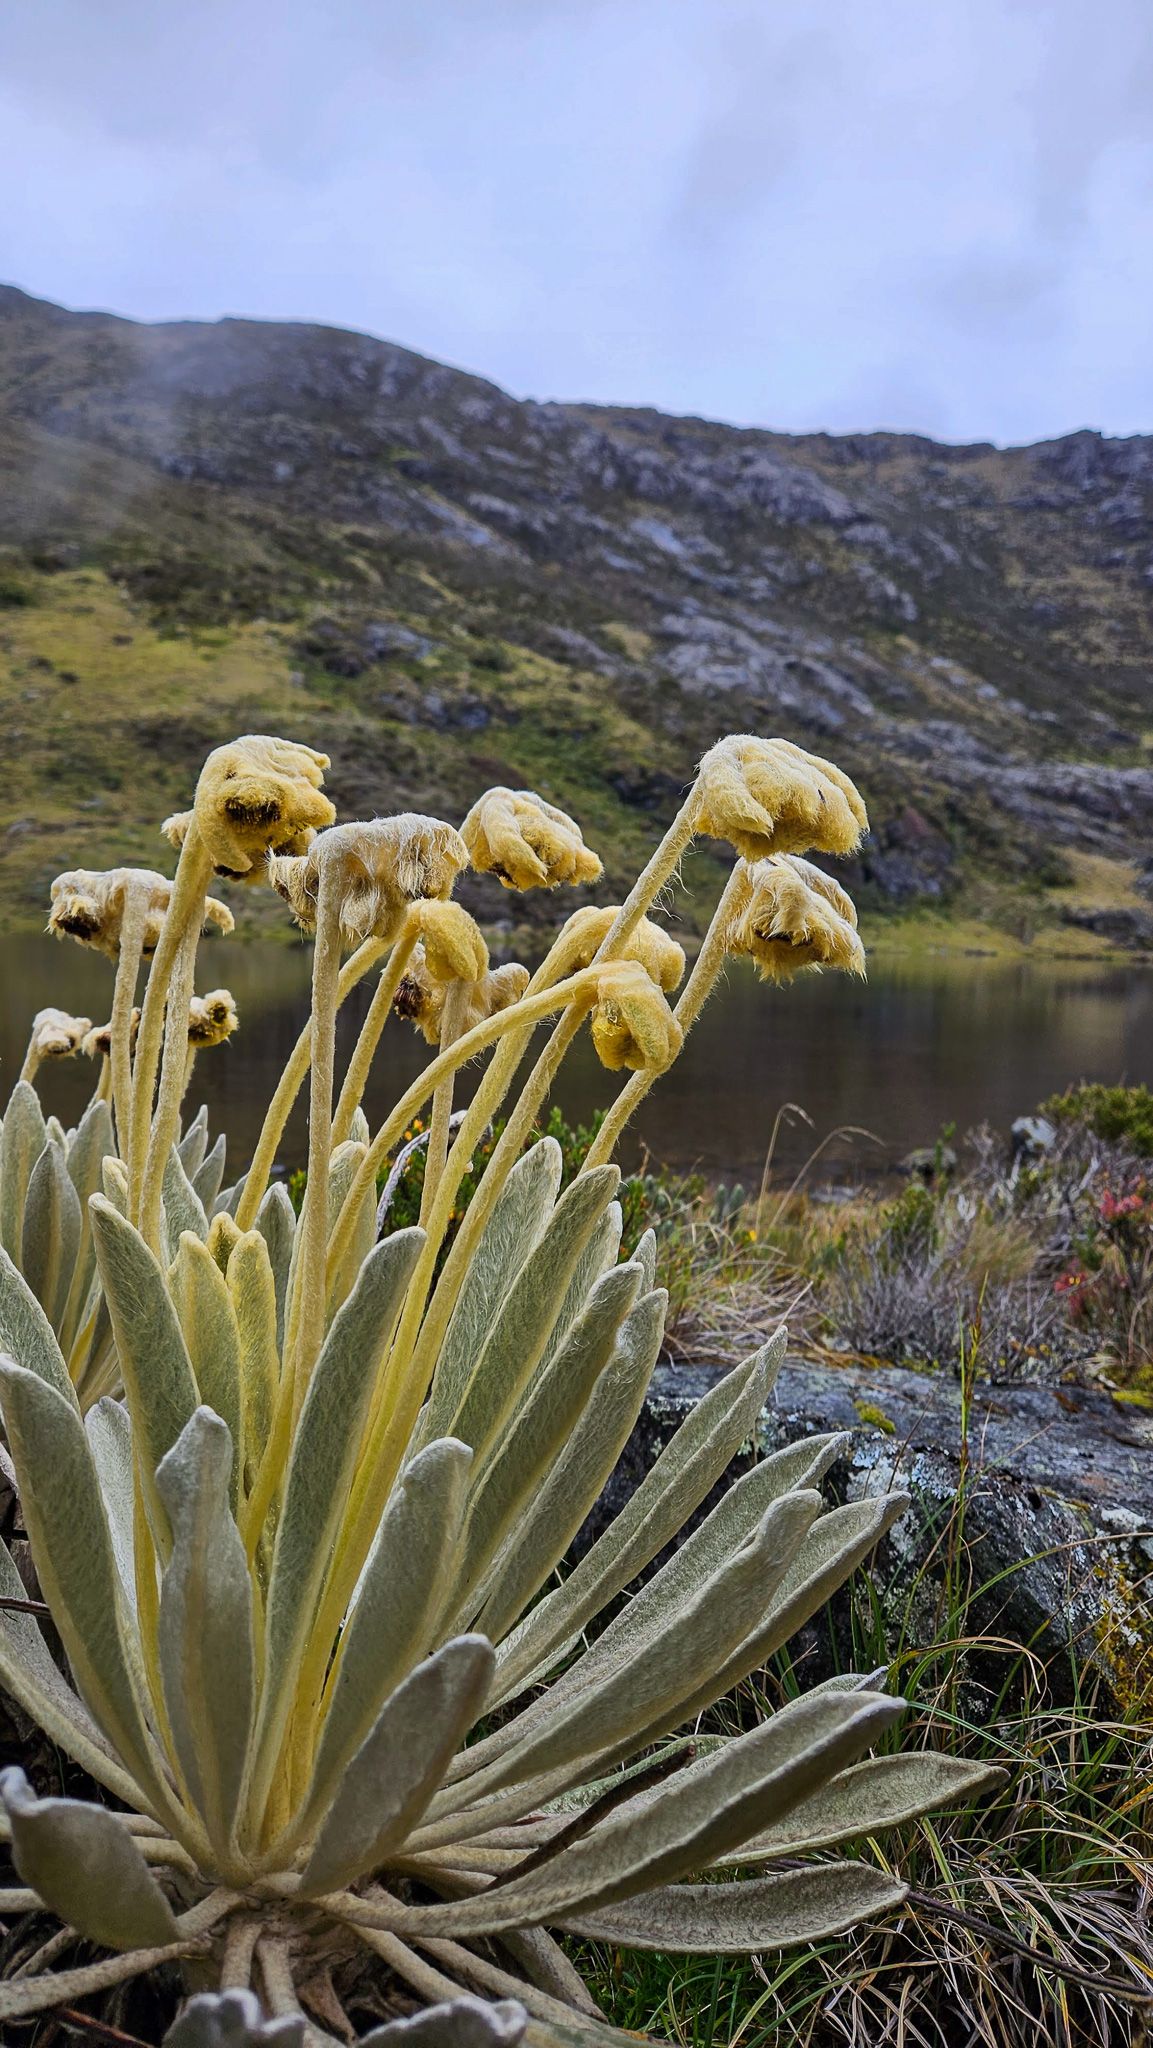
[924, 1042]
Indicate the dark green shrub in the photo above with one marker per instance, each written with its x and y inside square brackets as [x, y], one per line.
[1121, 1115]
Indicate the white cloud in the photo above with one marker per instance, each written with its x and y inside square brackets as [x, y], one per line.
[799, 213]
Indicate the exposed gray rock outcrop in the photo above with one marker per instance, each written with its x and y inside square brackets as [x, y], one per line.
[1057, 1482]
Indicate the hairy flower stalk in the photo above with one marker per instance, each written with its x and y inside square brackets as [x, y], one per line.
[530, 1010]
[455, 960]
[664, 961]
[424, 1327]
[290, 1083]
[514, 1020]
[391, 977]
[297, 1511]
[549, 849]
[165, 1123]
[124, 1023]
[576, 947]
[558, 849]
[442, 1011]
[120, 912]
[97, 1045]
[403, 1381]
[452, 1028]
[356, 882]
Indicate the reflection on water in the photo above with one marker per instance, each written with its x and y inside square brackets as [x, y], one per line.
[925, 1042]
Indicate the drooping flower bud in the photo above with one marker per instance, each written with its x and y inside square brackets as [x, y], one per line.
[56, 1035]
[255, 796]
[377, 868]
[794, 917]
[525, 842]
[212, 1018]
[454, 948]
[98, 1043]
[585, 931]
[769, 796]
[632, 1025]
[89, 906]
[420, 996]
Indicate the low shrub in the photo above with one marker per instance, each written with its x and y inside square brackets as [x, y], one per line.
[1123, 1116]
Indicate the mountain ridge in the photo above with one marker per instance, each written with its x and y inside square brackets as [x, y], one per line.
[438, 581]
[14, 296]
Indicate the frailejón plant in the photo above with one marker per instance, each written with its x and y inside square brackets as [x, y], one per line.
[296, 1497]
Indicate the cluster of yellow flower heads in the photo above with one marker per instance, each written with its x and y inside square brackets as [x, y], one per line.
[375, 871]
[525, 842]
[420, 995]
[257, 796]
[452, 953]
[769, 796]
[587, 929]
[98, 1042]
[793, 917]
[91, 906]
[211, 1019]
[260, 813]
[56, 1035]
[632, 1025]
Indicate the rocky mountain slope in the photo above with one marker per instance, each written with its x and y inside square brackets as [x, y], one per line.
[211, 525]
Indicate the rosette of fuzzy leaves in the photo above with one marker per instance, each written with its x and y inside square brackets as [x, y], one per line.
[402, 1738]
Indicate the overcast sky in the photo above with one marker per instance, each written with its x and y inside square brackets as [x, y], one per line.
[922, 214]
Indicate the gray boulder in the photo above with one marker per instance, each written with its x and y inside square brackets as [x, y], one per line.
[1058, 1501]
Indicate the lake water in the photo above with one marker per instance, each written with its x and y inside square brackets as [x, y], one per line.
[924, 1042]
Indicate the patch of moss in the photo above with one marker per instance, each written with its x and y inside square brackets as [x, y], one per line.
[875, 1417]
[634, 643]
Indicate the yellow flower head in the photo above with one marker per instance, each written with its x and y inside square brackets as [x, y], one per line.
[768, 796]
[632, 1025]
[378, 869]
[526, 843]
[256, 796]
[419, 998]
[211, 1018]
[56, 1035]
[660, 956]
[89, 906]
[98, 1043]
[454, 949]
[795, 917]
